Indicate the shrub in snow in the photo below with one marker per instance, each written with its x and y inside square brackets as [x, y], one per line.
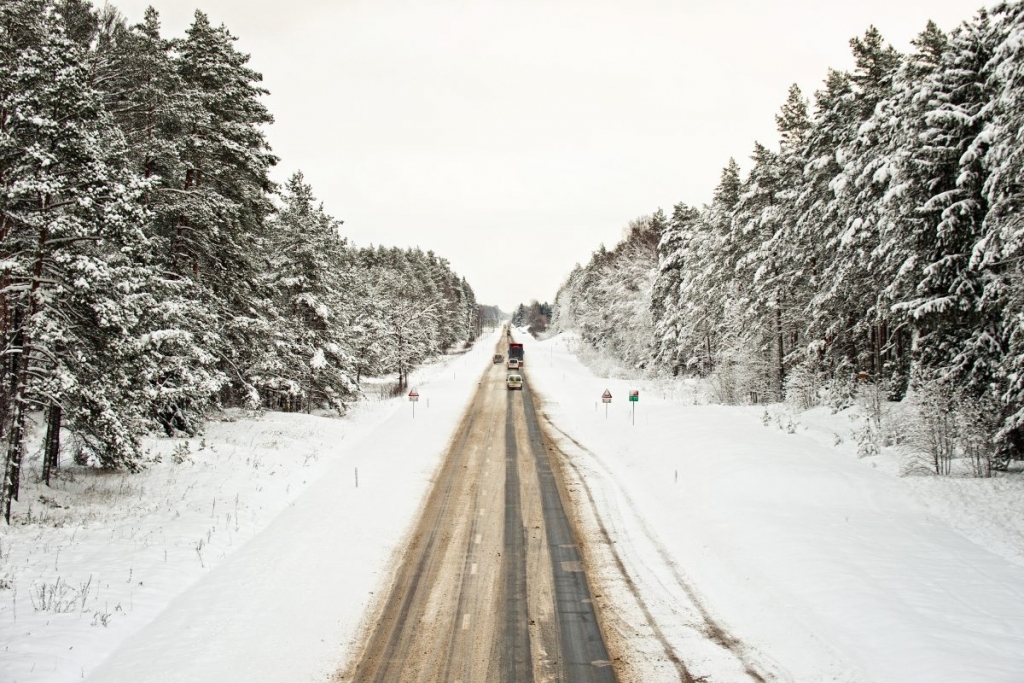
[739, 376]
[181, 453]
[59, 597]
[932, 430]
[805, 384]
[950, 425]
[841, 387]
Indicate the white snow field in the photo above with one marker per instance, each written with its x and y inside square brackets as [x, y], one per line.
[253, 559]
[802, 562]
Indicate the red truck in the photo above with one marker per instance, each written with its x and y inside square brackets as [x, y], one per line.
[515, 350]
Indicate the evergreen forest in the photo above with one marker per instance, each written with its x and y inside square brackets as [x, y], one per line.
[150, 270]
[879, 243]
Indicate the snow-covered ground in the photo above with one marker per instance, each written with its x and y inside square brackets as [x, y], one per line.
[247, 554]
[252, 555]
[762, 529]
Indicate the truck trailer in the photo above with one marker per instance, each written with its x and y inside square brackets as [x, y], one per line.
[515, 350]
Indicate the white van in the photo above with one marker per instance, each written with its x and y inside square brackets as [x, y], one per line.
[514, 381]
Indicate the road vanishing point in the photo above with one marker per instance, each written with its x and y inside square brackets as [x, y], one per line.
[492, 586]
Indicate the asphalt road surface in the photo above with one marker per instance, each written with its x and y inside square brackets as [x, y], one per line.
[492, 586]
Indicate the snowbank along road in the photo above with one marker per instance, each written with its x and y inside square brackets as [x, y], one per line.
[492, 586]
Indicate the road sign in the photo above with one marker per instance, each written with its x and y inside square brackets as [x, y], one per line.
[413, 397]
[606, 397]
[634, 395]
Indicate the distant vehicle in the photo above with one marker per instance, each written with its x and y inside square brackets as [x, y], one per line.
[515, 350]
[514, 381]
[498, 358]
[513, 364]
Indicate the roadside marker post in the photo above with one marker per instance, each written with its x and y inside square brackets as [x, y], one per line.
[634, 398]
[606, 398]
[413, 397]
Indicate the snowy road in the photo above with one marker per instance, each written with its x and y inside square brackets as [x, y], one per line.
[493, 585]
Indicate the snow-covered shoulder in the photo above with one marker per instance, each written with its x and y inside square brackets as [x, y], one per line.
[816, 565]
[250, 553]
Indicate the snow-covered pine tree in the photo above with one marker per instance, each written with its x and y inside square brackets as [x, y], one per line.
[407, 304]
[563, 316]
[75, 276]
[846, 306]
[865, 182]
[673, 260]
[890, 171]
[472, 325]
[138, 73]
[783, 277]
[946, 166]
[310, 277]
[997, 345]
[707, 285]
[222, 195]
[609, 299]
[757, 222]
[817, 232]
[407, 314]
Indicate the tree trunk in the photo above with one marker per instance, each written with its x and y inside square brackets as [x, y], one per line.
[19, 391]
[15, 447]
[16, 440]
[873, 339]
[51, 447]
[782, 354]
[177, 248]
[8, 331]
[402, 379]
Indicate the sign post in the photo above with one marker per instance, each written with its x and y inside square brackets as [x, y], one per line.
[634, 398]
[413, 397]
[606, 398]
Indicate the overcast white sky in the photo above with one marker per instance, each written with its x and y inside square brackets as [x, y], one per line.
[514, 136]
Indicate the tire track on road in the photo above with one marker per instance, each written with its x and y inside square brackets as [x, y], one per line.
[517, 657]
[715, 631]
[585, 657]
[409, 600]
